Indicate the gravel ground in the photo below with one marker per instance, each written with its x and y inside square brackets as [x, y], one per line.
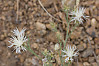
[37, 24]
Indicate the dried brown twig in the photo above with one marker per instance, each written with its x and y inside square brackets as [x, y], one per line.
[48, 12]
[17, 11]
[93, 51]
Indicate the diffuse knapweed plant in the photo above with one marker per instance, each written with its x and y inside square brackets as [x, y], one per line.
[68, 51]
[65, 51]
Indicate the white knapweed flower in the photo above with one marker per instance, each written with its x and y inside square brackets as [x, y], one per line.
[78, 15]
[69, 53]
[18, 40]
[57, 46]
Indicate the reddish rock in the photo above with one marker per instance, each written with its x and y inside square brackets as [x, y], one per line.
[97, 51]
[96, 41]
[87, 52]
[84, 59]
[47, 3]
[91, 59]
[86, 64]
[94, 64]
[77, 64]
[40, 26]
[81, 47]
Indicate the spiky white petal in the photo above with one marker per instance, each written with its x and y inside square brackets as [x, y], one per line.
[70, 52]
[18, 40]
[78, 14]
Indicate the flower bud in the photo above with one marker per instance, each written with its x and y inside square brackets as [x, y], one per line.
[57, 46]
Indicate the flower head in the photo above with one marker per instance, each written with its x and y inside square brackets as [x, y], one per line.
[78, 15]
[70, 52]
[57, 46]
[18, 40]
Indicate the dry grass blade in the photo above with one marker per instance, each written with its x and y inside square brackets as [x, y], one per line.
[48, 12]
[77, 62]
[17, 11]
[93, 51]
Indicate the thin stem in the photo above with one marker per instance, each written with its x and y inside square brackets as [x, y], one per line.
[66, 35]
[77, 62]
[60, 49]
[28, 43]
[73, 29]
[29, 49]
[77, 3]
[68, 23]
[71, 32]
[67, 15]
[66, 64]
